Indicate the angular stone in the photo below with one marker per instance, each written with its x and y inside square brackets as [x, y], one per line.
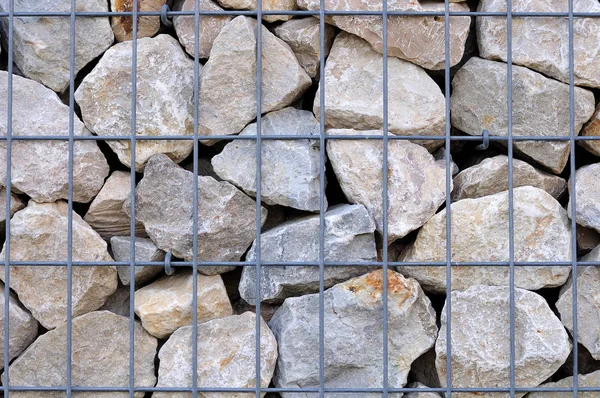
[587, 192]
[587, 380]
[100, 348]
[22, 328]
[479, 92]
[421, 394]
[16, 204]
[353, 87]
[228, 81]
[226, 357]
[592, 129]
[165, 77]
[147, 26]
[226, 217]
[290, 168]
[480, 343]
[41, 168]
[491, 176]
[268, 5]
[145, 250]
[353, 357]
[39, 233]
[348, 236]
[416, 182]
[542, 232]
[542, 44]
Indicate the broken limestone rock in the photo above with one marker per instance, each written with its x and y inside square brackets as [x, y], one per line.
[147, 26]
[267, 5]
[353, 357]
[348, 236]
[479, 232]
[16, 204]
[290, 168]
[587, 192]
[39, 233]
[479, 93]
[165, 77]
[145, 250]
[22, 329]
[586, 380]
[592, 129]
[421, 394]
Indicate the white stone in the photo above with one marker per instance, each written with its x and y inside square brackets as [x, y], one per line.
[587, 192]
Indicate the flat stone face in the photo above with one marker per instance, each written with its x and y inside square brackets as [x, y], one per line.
[416, 183]
[592, 129]
[42, 45]
[348, 236]
[290, 168]
[147, 26]
[228, 81]
[144, 249]
[542, 232]
[542, 44]
[39, 233]
[226, 357]
[41, 168]
[353, 334]
[100, 347]
[587, 191]
[165, 77]
[479, 101]
[22, 328]
[587, 380]
[353, 87]
[267, 5]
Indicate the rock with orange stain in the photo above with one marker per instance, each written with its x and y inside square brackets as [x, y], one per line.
[587, 192]
[584, 380]
[147, 26]
[592, 129]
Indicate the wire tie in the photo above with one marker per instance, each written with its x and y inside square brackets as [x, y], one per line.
[163, 16]
[486, 141]
[168, 269]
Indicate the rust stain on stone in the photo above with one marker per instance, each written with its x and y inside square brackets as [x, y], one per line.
[372, 283]
[125, 6]
[226, 361]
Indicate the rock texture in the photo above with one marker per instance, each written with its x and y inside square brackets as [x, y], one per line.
[22, 328]
[587, 191]
[165, 77]
[479, 102]
[542, 232]
[592, 129]
[145, 250]
[147, 26]
[270, 5]
[348, 236]
[587, 380]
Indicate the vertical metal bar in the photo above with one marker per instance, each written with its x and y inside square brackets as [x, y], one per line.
[385, 200]
[322, 200]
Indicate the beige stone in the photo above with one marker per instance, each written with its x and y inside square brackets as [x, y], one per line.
[16, 204]
[22, 328]
[267, 5]
[586, 380]
[147, 26]
[144, 250]
[587, 192]
[592, 129]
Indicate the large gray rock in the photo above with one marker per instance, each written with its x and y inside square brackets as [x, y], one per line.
[22, 327]
[42, 45]
[100, 357]
[479, 93]
[353, 334]
[147, 26]
[587, 192]
[480, 343]
[290, 172]
[592, 129]
[542, 232]
[348, 236]
[145, 250]
[165, 77]
[416, 182]
[268, 5]
[587, 380]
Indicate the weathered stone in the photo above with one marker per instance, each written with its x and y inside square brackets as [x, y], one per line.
[353, 87]
[226, 357]
[416, 182]
[479, 92]
[348, 236]
[587, 380]
[100, 357]
[587, 239]
[303, 36]
[480, 343]
[226, 217]
[145, 250]
[228, 81]
[542, 232]
[166, 305]
[587, 192]
[290, 168]
[118, 302]
[421, 394]
[267, 5]
[147, 26]
[165, 77]
[592, 129]
[41, 45]
[491, 176]
[41, 168]
[16, 204]
[542, 44]
[353, 316]
[39, 233]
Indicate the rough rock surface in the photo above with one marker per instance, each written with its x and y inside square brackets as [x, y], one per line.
[421, 394]
[147, 26]
[16, 204]
[587, 192]
[416, 183]
[145, 250]
[592, 129]
[267, 5]
[42, 45]
[165, 77]
[348, 236]
[226, 356]
[479, 102]
[542, 232]
[353, 319]
[100, 358]
[22, 329]
[39, 233]
[587, 380]
[290, 168]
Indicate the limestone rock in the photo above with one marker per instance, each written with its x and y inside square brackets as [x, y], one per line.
[39, 233]
[421, 394]
[228, 81]
[100, 358]
[22, 329]
[416, 183]
[587, 380]
[145, 250]
[542, 232]
[41, 168]
[353, 87]
[480, 343]
[290, 168]
[491, 176]
[348, 236]
[592, 129]
[267, 5]
[147, 26]
[16, 204]
[587, 191]
[226, 357]
[479, 93]
[42, 45]
[165, 77]
[353, 334]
